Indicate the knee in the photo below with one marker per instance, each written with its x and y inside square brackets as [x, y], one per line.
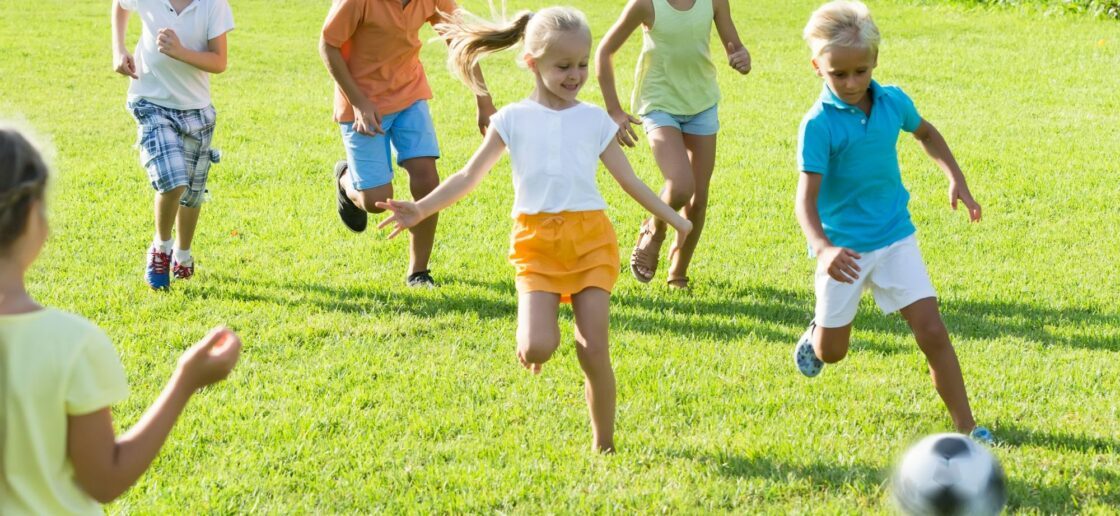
[537, 349]
[680, 193]
[592, 351]
[423, 183]
[368, 199]
[931, 335]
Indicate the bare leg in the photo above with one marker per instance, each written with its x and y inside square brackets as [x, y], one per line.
[166, 209]
[925, 321]
[702, 156]
[831, 344]
[592, 312]
[672, 158]
[186, 223]
[422, 179]
[538, 334]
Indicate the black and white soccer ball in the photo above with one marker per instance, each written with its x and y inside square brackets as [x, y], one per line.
[949, 474]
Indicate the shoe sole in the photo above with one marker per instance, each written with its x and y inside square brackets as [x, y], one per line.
[344, 202]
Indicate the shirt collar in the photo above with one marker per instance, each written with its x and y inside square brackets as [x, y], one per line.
[830, 98]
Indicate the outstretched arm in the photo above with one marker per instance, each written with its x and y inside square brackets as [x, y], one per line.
[938, 149]
[104, 466]
[737, 55]
[634, 14]
[840, 261]
[408, 214]
[619, 167]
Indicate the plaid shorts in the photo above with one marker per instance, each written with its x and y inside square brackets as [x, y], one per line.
[175, 147]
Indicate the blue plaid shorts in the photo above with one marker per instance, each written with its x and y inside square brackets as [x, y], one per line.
[175, 147]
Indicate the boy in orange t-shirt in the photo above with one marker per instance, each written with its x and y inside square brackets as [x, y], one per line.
[372, 50]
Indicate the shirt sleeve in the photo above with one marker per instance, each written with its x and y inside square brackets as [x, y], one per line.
[342, 22]
[813, 145]
[910, 117]
[128, 5]
[499, 121]
[442, 6]
[221, 19]
[97, 379]
[607, 130]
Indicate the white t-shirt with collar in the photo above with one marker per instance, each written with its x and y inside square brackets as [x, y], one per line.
[166, 81]
[555, 155]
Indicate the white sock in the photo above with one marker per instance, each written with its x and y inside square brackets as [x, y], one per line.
[183, 257]
[163, 245]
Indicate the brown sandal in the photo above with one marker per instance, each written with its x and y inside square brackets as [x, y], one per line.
[645, 257]
[680, 283]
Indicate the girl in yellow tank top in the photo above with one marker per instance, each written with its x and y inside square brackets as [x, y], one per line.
[676, 96]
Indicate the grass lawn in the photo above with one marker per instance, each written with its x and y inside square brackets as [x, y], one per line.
[357, 394]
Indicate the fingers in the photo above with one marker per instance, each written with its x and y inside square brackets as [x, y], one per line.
[974, 212]
[624, 136]
[396, 231]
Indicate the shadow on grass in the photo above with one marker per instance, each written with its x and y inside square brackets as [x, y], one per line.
[834, 478]
[1013, 435]
[1061, 499]
[718, 311]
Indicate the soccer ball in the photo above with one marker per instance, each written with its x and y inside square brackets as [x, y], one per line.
[949, 474]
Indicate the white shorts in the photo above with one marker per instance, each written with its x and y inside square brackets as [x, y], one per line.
[895, 274]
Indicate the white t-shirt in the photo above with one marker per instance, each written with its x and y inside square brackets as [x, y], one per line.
[555, 155]
[166, 81]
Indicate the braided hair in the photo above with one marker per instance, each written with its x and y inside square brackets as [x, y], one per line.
[23, 180]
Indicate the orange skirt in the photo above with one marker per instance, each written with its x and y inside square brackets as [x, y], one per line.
[564, 252]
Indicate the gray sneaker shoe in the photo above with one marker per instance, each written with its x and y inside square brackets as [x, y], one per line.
[804, 356]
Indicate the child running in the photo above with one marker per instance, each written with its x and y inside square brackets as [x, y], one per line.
[851, 204]
[372, 50]
[59, 374]
[676, 96]
[563, 247]
[182, 42]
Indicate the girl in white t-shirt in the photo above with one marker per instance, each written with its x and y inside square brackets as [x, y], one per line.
[59, 373]
[563, 246]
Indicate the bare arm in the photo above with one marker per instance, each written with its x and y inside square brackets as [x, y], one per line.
[484, 103]
[619, 167]
[408, 214]
[212, 60]
[123, 63]
[841, 262]
[367, 120]
[104, 466]
[738, 57]
[938, 149]
[634, 14]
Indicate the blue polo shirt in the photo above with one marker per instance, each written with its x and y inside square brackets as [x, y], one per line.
[862, 202]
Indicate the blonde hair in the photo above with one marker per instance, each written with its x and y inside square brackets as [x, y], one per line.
[841, 23]
[471, 38]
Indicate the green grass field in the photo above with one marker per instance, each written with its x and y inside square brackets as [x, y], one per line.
[356, 394]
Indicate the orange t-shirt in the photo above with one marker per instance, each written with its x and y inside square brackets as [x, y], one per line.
[380, 42]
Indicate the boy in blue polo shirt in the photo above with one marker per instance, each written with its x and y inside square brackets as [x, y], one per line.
[851, 204]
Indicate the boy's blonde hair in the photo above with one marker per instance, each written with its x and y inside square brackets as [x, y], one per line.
[471, 38]
[841, 23]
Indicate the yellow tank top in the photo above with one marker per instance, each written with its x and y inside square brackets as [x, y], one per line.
[675, 73]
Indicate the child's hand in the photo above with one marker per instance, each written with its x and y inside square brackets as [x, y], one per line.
[486, 110]
[367, 120]
[405, 215]
[841, 263]
[535, 368]
[211, 359]
[683, 227]
[626, 135]
[960, 192]
[169, 43]
[125, 65]
[739, 58]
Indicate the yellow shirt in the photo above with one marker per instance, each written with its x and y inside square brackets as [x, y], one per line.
[52, 364]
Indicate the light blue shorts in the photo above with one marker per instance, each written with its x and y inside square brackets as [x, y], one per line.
[409, 132]
[704, 123]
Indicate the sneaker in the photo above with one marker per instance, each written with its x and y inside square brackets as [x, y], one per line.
[354, 217]
[156, 271]
[180, 271]
[983, 436]
[804, 356]
[421, 279]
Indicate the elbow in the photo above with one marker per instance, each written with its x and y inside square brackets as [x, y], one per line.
[104, 493]
[220, 67]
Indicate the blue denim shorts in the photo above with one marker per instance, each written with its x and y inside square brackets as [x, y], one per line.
[410, 132]
[175, 147]
[704, 123]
